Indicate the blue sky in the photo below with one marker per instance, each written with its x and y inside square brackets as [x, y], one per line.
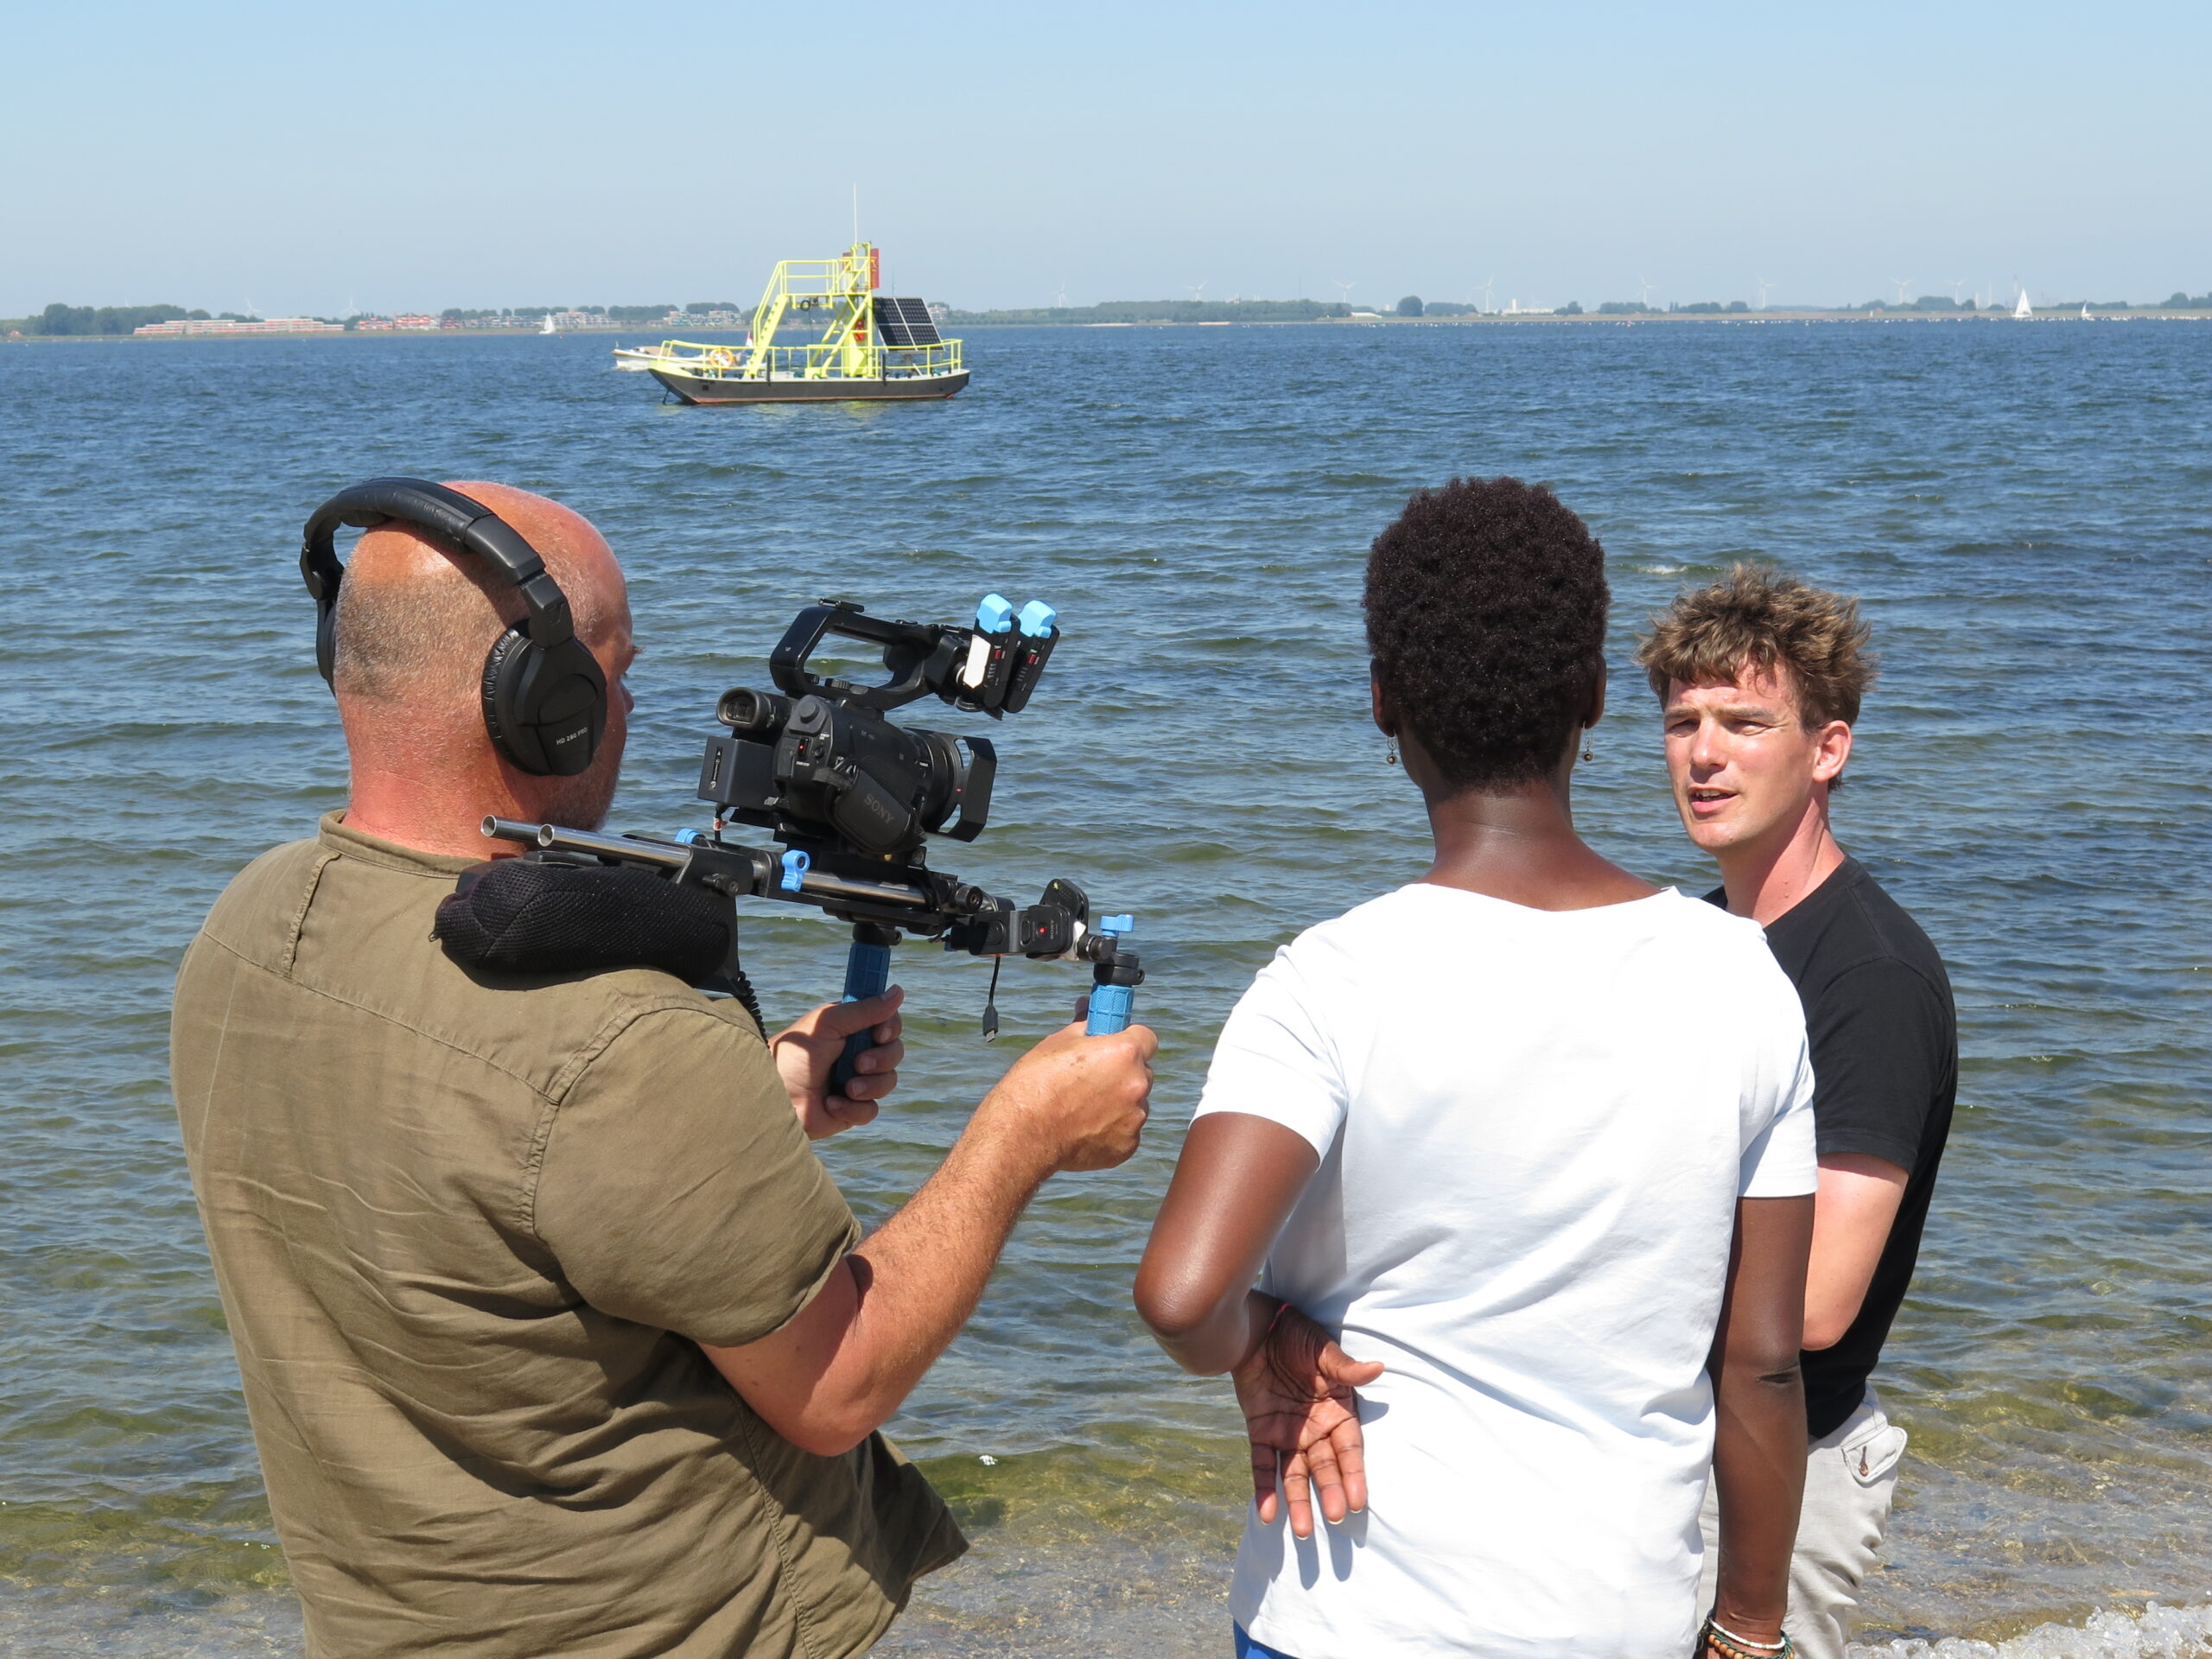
[400, 156]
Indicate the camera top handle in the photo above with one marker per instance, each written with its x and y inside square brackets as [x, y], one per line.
[920, 656]
[991, 668]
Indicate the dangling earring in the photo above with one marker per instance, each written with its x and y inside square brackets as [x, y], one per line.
[1390, 751]
[1588, 753]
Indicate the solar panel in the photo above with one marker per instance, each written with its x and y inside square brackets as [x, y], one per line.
[904, 322]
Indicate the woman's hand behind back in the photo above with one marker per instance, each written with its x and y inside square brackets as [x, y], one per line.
[1302, 1417]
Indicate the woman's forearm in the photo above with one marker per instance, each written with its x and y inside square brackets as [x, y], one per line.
[1221, 1339]
[1238, 1180]
[1759, 1466]
[1758, 1398]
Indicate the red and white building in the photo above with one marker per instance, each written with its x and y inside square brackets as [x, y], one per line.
[230, 325]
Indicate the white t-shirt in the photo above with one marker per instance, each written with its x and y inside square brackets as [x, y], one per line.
[1533, 1126]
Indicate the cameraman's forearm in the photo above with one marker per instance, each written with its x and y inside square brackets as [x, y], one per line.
[841, 1368]
[923, 1272]
[1758, 1466]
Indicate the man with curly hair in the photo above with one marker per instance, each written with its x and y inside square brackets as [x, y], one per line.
[1760, 677]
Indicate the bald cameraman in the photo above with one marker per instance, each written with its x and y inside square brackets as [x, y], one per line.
[556, 1336]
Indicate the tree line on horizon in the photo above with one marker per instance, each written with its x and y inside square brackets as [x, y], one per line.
[1413, 305]
[60, 320]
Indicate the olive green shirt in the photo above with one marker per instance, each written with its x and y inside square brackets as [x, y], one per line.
[468, 1231]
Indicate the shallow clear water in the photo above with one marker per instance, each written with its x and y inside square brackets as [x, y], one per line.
[2022, 507]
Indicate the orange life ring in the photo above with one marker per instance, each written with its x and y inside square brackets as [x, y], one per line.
[722, 358]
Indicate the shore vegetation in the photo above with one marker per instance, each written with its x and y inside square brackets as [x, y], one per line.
[61, 320]
[1163, 311]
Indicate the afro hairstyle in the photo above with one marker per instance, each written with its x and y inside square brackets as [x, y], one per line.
[1486, 606]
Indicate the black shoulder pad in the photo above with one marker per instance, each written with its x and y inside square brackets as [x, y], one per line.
[518, 916]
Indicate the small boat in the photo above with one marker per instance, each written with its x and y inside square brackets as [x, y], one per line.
[2086, 317]
[549, 329]
[2024, 309]
[874, 347]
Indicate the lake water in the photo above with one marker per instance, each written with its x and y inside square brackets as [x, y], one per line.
[2025, 508]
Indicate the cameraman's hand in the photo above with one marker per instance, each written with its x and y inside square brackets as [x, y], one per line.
[1076, 1101]
[807, 1049]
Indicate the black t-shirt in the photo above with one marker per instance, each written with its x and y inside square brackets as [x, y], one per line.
[1884, 1041]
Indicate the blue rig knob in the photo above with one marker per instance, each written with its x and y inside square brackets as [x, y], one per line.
[995, 614]
[796, 865]
[1037, 619]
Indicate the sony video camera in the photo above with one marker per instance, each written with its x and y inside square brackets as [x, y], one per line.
[816, 762]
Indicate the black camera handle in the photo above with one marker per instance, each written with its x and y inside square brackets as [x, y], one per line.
[908, 649]
[991, 668]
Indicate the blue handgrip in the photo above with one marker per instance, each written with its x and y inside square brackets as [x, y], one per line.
[1110, 1004]
[868, 970]
[1109, 1009]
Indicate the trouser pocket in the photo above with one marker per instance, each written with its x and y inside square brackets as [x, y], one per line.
[1872, 1450]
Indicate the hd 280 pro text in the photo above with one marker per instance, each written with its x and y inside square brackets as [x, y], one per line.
[544, 695]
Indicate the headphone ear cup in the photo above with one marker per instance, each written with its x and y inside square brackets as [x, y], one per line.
[545, 709]
[498, 671]
[326, 642]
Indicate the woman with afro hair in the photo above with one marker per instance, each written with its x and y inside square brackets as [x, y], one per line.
[1532, 1138]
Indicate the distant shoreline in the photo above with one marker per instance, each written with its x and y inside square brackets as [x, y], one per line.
[1526, 319]
[351, 334]
[1521, 319]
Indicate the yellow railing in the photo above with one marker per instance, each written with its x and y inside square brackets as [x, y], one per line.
[841, 286]
[822, 360]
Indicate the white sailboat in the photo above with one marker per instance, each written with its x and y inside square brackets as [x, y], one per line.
[2086, 317]
[549, 329]
[2023, 308]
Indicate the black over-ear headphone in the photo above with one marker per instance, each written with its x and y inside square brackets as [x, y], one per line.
[544, 696]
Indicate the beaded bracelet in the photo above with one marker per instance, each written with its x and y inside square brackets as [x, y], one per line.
[1718, 1635]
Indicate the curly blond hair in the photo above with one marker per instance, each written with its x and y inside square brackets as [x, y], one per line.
[1757, 617]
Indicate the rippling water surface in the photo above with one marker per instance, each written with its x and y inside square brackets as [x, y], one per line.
[2024, 507]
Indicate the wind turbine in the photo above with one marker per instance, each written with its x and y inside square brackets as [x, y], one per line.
[1763, 286]
[1487, 303]
[1644, 290]
[1197, 293]
[1957, 284]
[1345, 295]
[1902, 283]
[1061, 299]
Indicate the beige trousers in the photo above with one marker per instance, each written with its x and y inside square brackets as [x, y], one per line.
[1850, 1478]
